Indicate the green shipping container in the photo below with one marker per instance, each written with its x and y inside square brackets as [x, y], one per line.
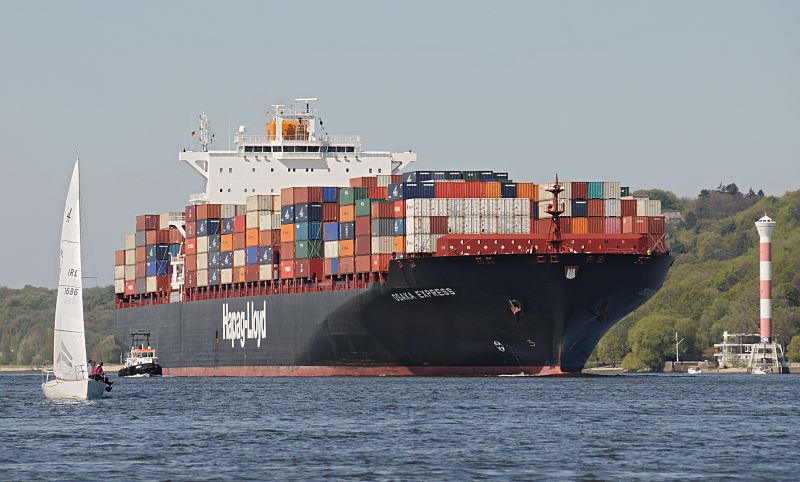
[625, 191]
[471, 175]
[596, 190]
[311, 248]
[349, 195]
[363, 207]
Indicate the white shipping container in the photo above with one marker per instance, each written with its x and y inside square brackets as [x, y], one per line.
[489, 207]
[202, 244]
[130, 241]
[566, 205]
[130, 257]
[227, 210]
[505, 225]
[472, 207]
[276, 203]
[226, 276]
[613, 208]
[611, 190]
[439, 207]
[654, 207]
[265, 220]
[418, 225]
[276, 220]
[384, 180]
[119, 286]
[544, 195]
[455, 207]
[202, 261]
[239, 258]
[150, 284]
[420, 243]
[331, 249]
[202, 277]
[130, 273]
[265, 272]
[119, 272]
[382, 245]
[488, 225]
[251, 219]
[455, 224]
[543, 210]
[522, 225]
[472, 225]
[260, 202]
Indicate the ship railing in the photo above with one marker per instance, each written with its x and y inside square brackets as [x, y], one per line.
[263, 140]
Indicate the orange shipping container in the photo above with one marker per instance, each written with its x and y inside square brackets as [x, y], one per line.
[240, 274]
[347, 213]
[580, 225]
[287, 233]
[287, 269]
[527, 190]
[251, 238]
[363, 264]
[265, 238]
[493, 189]
[399, 244]
[226, 242]
[597, 207]
[380, 262]
[238, 241]
[347, 247]
[190, 247]
[119, 257]
[399, 209]
[141, 253]
[346, 265]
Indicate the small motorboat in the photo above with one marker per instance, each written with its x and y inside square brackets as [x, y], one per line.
[762, 371]
[142, 360]
[695, 370]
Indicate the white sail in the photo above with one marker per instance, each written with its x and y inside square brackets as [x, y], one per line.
[69, 347]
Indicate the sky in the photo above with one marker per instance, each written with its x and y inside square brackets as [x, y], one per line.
[677, 95]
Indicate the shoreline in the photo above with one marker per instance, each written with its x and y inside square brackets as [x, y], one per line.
[110, 368]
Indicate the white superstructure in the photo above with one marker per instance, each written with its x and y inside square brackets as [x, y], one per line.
[295, 150]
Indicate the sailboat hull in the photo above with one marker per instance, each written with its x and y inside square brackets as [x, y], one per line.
[73, 389]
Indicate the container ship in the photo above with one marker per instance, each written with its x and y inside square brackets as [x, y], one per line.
[308, 256]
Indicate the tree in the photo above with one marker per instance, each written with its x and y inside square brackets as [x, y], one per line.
[650, 339]
[612, 347]
[793, 349]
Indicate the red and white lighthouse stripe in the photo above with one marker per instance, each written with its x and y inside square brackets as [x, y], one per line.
[765, 226]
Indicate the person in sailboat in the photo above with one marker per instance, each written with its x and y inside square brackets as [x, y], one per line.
[100, 376]
[91, 367]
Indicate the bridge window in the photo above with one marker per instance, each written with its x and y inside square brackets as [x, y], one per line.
[277, 148]
[267, 148]
[347, 170]
[254, 169]
[350, 149]
[248, 148]
[288, 148]
[220, 169]
[256, 148]
[271, 169]
[301, 149]
[313, 148]
[370, 170]
[230, 169]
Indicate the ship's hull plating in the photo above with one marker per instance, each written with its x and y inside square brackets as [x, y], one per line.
[432, 316]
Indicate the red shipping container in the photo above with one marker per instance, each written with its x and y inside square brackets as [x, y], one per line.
[309, 268]
[380, 262]
[190, 246]
[265, 238]
[191, 229]
[119, 257]
[130, 288]
[141, 270]
[150, 237]
[397, 178]
[190, 214]
[363, 225]
[175, 236]
[190, 261]
[330, 212]
[580, 190]
[146, 222]
[566, 225]
[141, 253]
[287, 269]
[382, 209]
[308, 195]
[438, 224]
[363, 245]
[239, 224]
[239, 241]
[209, 211]
[163, 284]
[364, 181]
[190, 279]
[287, 250]
[378, 192]
[347, 265]
[473, 189]
[251, 272]
[287, 196]
[399, 209]
[597, 207]
[327, 266]
[613, 225]
[635, 224]
[628, 207]
[363, 264]
[597, 225]
[656, 225]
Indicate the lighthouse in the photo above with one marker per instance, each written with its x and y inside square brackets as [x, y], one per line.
[766, 356]
[765, 227]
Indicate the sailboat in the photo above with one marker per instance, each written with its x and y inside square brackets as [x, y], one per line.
[69, 379]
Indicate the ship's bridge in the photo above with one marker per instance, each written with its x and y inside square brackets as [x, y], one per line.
[295, 150]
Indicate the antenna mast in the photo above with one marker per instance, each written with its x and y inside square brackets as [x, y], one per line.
[555, 210]
[205, 137]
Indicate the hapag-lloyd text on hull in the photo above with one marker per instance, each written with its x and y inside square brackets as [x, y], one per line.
[250, 324]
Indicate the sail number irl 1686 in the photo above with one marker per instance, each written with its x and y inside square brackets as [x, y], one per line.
[71, 290]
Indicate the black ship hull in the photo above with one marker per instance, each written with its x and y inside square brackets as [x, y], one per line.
[460, 315]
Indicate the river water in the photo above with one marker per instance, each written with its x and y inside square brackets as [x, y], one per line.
[642, 427]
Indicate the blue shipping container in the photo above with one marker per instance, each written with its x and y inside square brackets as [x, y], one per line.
[509, 190]
[265, 255]
[501, 176]
[453, 175]
[315, 230]
[439, 175]
[226, 259]
[202, 227]
[427, 190]
[213, 259]
[213, 226]
[252, 255]
[487, 176]
[214, 242]
[227, 226]
[335, 266]
[399, 227]
[174, 250]
[347, 230]
[287, 214]
[404, 190]
[213, 276]
[580, 208]
[596, 190]
[301, 231]
[417, 176]
[331, 231]
[307, 212]
[157, 268]
[330, 194]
